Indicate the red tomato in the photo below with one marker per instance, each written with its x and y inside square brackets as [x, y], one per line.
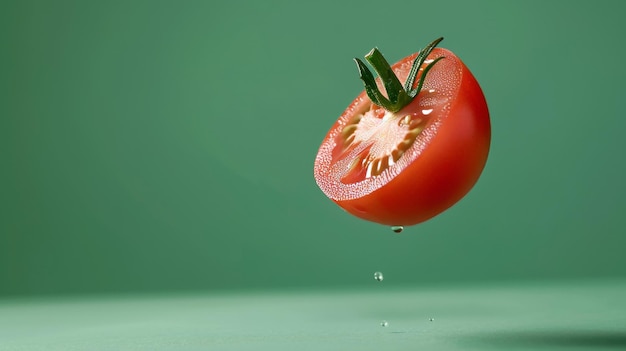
[407, 166]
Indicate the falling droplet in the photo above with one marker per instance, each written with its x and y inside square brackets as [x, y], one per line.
[432, 319]
[378, 276]
[397, 228]
[384, 323]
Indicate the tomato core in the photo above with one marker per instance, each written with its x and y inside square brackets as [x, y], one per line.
[376, 139]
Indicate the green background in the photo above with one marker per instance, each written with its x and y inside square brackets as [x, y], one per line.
[168, 146]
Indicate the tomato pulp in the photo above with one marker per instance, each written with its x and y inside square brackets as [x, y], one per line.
[407, 166]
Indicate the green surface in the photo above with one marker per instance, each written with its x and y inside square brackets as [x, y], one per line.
[587, 315]
[129, 162]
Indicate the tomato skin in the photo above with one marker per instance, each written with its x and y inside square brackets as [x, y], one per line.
[444, 172]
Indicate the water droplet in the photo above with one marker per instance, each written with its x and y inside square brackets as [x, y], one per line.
[384, 323]
[397, 228]
[378, 276]
[427, 111]
[432, 319]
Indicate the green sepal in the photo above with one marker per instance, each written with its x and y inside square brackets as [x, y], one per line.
[417, 63]
[395, 92]
[370, 84]
[413, 93]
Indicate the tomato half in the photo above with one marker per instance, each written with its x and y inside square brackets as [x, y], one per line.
[405, 167]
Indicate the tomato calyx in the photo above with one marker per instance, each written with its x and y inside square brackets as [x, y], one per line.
[398, 96]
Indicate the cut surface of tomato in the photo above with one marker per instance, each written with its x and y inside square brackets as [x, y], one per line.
[404, 167]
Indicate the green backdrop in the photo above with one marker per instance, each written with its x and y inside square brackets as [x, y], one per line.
[169, 145]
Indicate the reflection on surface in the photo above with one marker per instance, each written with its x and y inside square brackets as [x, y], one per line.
[551, 338]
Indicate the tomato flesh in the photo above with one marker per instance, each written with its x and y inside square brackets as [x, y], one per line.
[406, 167]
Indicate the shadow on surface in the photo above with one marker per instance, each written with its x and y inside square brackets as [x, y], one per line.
[562, 338]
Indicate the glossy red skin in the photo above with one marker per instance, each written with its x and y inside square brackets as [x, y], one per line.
[444, 172]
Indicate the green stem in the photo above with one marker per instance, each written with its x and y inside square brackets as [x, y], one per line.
[398, 96]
